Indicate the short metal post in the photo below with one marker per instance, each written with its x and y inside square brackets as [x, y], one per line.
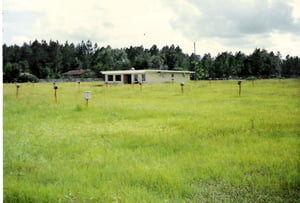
[87, 96]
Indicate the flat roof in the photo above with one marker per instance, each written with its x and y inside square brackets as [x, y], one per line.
[118, 72]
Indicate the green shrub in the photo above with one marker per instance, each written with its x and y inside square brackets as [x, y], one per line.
[251, 78]
[27, 77]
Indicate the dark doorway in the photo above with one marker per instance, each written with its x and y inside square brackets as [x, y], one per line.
[127, 79]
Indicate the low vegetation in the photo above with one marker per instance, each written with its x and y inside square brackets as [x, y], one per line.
[154, 144]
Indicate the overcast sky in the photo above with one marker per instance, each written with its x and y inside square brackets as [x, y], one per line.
[215, 25]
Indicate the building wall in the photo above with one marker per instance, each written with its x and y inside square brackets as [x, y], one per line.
[114, 81]
[166, 77]
[151, 78]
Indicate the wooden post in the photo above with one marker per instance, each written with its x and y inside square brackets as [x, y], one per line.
[182, 89]
[17, 91]
[55, 96]
[240, 87]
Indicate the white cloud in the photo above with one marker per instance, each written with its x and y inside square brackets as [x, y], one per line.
[234, 19]
[117, 23]
[296, 9]
[216, 26]
[243, 25]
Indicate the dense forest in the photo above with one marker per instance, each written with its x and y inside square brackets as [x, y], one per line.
[37, 60]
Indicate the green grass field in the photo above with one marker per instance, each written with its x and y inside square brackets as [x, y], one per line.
[154, 144]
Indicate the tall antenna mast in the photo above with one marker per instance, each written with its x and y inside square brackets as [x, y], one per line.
[195, 76]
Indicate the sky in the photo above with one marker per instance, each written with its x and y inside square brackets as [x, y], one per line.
[215, 26]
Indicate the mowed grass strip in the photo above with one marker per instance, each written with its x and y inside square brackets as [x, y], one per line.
[154, 144]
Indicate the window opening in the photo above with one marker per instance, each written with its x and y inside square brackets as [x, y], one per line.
[110, 78]
[136, 77]
[118, 77]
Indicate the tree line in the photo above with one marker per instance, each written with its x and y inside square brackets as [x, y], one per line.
[41, 60]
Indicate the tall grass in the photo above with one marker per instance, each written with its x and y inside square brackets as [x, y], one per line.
[154, 144]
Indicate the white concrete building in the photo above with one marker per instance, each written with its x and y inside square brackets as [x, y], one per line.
[145, 76]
